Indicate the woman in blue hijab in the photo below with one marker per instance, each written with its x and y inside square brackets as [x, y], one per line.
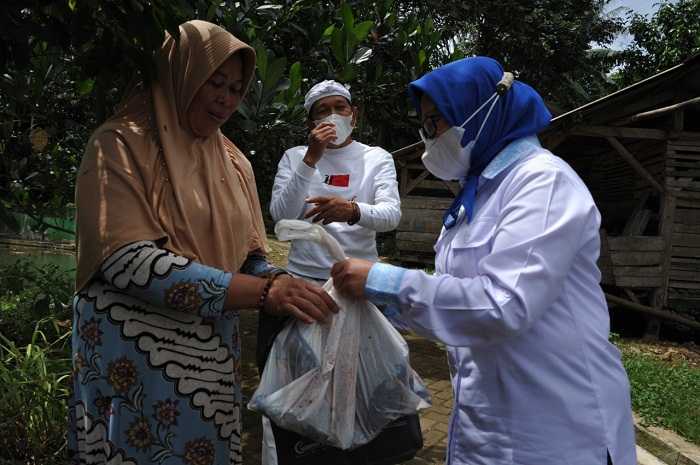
[515, 295]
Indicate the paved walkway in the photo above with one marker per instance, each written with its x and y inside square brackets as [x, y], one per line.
[426, 358]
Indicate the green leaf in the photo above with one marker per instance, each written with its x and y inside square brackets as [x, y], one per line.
[211, 12]
[274, 74]
[85, 86]
[251, 33]
[261, 58]
[338, 47]
[72, 4]
[295, 77]
[421, 58]
[329, 31]
[348, 18]
[348, 73]
[391, 19]
[362, 29]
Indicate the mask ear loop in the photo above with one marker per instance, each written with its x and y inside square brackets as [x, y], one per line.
[483, 123]
[502, 87]
[476, 112]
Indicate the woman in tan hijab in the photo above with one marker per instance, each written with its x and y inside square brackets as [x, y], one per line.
[170, 246]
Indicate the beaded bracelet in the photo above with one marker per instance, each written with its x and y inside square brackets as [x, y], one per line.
[355, 212]
[266, 290]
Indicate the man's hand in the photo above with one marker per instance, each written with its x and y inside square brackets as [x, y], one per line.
[319, 137]
[330, 210]
[350, 277]
[300, 299]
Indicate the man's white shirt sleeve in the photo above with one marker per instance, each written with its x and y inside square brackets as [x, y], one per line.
[385, 213]
[290, 189]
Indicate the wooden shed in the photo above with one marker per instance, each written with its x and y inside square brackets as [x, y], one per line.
[638, 150]
[424, 199]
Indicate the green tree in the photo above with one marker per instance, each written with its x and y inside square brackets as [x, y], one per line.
[68, 62]
[65, 64]
[668, 37]
[547, 43]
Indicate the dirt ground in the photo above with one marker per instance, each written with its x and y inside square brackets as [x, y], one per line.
[277, 252]
[671, 352]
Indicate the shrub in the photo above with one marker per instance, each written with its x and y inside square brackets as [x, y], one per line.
[28, 294]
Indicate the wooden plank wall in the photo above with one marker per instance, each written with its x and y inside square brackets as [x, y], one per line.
[424, 200]
[683, 178]
[637, 261]
[421, 221]
[616, 187]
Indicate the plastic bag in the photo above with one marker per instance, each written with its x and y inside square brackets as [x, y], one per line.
[341, 382]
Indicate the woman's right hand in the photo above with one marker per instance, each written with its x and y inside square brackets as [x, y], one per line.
[300, 299]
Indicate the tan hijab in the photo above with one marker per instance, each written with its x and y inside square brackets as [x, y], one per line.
[145, 176]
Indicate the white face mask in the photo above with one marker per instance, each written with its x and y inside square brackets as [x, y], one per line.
[444, 155]
[343, 126]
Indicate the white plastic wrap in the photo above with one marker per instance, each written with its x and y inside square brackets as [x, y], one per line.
[341, 382]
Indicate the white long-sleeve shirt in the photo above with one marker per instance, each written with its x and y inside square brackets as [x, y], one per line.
[357, 171]
[516, 298]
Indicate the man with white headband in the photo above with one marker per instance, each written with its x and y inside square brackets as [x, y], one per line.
[347, 186]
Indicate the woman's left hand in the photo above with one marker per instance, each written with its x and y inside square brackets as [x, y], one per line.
[350, 277]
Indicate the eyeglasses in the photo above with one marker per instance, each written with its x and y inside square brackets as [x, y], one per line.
[429, 125]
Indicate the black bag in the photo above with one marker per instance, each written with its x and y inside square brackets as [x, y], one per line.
[398, 442]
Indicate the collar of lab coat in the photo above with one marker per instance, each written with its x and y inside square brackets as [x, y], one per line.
[509, 155]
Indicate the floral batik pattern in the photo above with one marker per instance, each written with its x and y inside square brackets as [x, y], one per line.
[155, 362]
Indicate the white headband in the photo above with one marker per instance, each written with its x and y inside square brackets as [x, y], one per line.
[325, 89]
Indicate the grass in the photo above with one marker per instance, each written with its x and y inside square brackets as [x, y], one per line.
[35, 362]
[35, 382]
[664, 393]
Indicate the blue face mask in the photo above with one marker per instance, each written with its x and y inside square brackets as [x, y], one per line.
[444, 156]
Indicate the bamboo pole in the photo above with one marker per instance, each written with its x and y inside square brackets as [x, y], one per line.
[658, 111]
[665, 315]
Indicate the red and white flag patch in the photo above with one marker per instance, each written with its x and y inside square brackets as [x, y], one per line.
[337, 180]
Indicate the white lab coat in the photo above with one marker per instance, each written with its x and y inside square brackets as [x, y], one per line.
[516, 298]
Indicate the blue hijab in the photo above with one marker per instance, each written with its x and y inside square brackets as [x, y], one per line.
[458, 89]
